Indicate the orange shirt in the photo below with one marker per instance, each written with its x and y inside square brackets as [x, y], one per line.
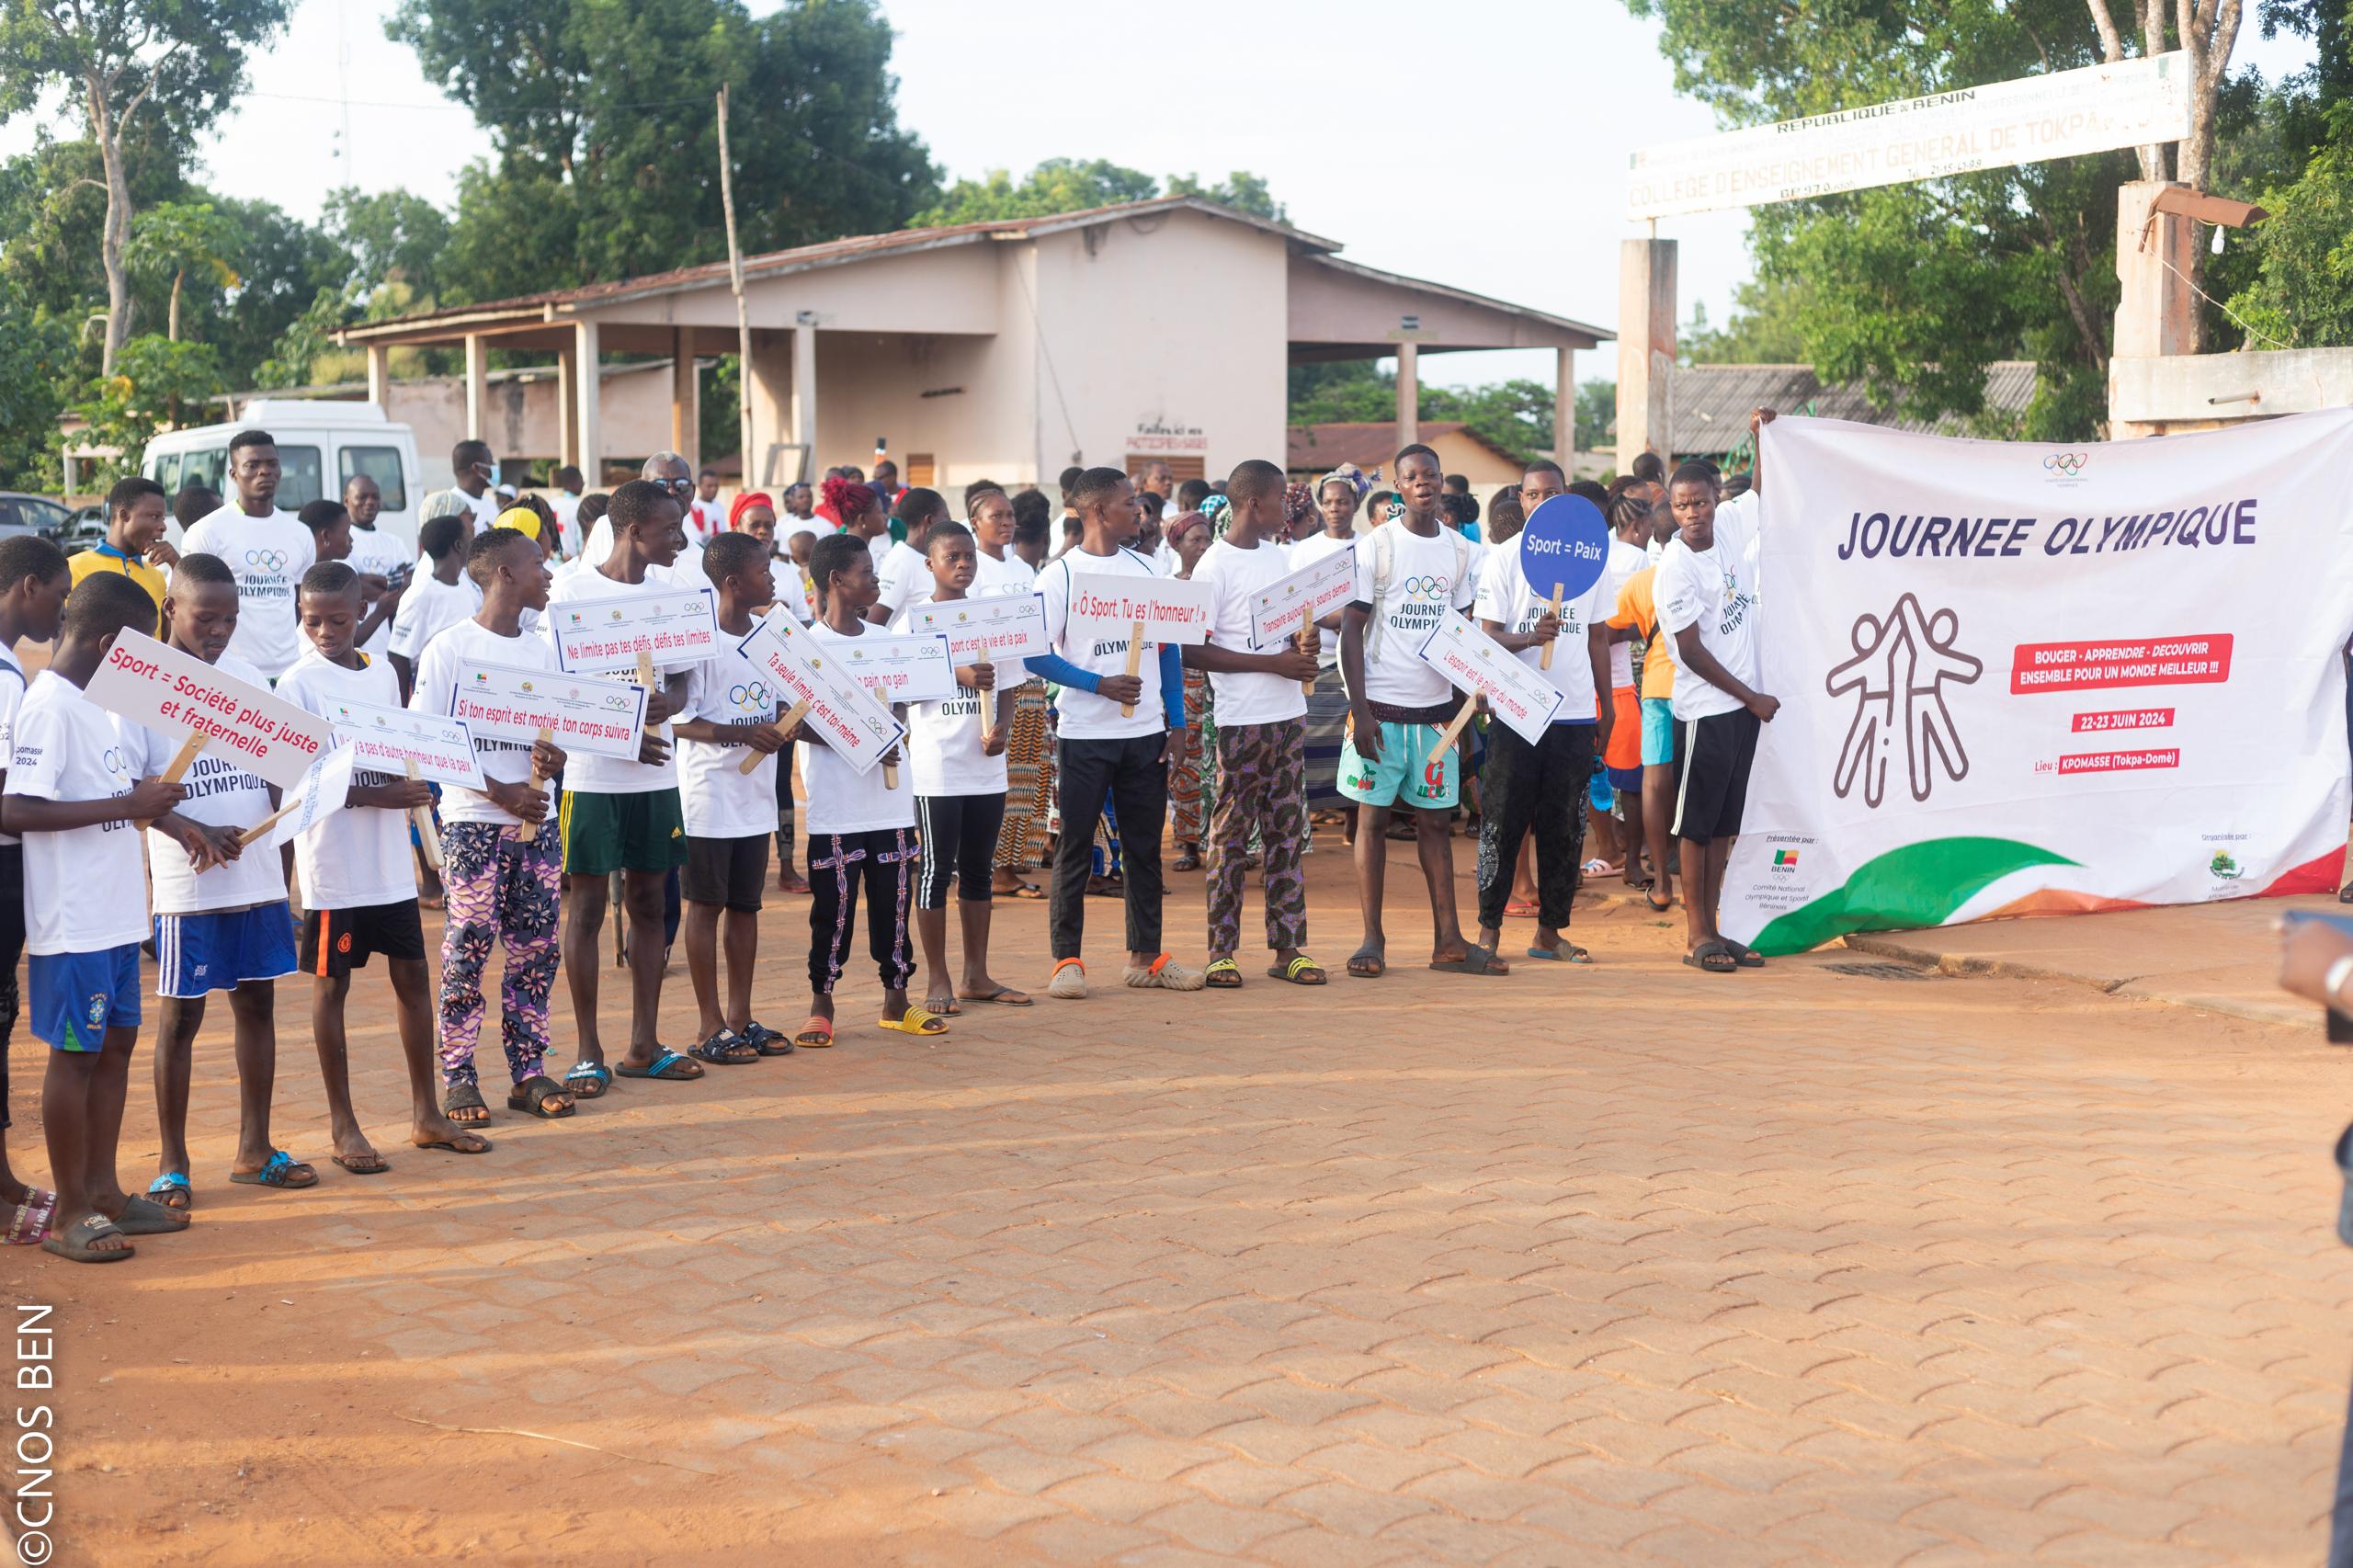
[1636, 610]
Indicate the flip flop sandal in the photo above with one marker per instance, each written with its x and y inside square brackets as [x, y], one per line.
[172, 1184]
[1567, 952]
[770, 1043]
[1295, 972]
[531, 1096]
[1597, 867]
[1743, 955]
[30, 1221]
[482, 1145]
[726, 1048]
[1656, 907]
[587, 1080]
[283, 1171]
[75, 1243]
[1366, 964]
[142, 1218]
[914, 1020]
[1005, 997]
[790, 885]
[1025, 890]
[378, 1168]
[1224, 974]
[817, 1034]
[1700, 957]
[942, 1008]
[465, 1096]
[1475, 960]
[668, 1066]
[1186, 862]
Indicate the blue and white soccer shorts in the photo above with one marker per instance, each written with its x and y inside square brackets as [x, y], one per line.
[76, 997]
[220, 949]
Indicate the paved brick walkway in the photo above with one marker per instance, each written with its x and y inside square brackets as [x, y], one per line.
[1613, 1265]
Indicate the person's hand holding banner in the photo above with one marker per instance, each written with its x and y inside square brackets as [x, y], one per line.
[173, 693]
[323, 789]
[1289, 609]
[839, 712]
[403, 741]
[670, 627]
[1150, 609]
[1563, 548]
[1482, 666]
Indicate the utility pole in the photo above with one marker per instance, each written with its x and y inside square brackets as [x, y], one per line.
[743, 315]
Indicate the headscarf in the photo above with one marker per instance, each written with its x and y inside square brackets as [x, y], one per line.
[1353, 477]
[744, 503]
[1298, 508]
[848, 498]
[1218, 510]
[522, 519]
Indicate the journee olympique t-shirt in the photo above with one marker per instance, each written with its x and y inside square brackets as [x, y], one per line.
[1508, 599]
[944, 747]
[838, 800]
[268, 556]
[613, 774]
[220, 794]
[1233, 574]
[360, 856]
[1714, 590]
[1101, 649]
[720, 800]
[1426, 578]
[80, 885]
[509, 762]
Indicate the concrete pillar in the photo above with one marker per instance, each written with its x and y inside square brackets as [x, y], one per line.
[769, 379]
[1645, 348]
[1409, 396]
[805, 388]
[380, 378]
[2157, 314]
[567, 377]
[686, 399]
[584, 351]
[477, 386]
[1564, 410]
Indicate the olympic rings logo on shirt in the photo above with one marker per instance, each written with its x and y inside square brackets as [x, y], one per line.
[753, 697]
[1431, 587]
[267, 560]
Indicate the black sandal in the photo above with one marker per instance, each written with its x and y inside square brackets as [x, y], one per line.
[531, 1096]
[726, 1048]
[465, 1096]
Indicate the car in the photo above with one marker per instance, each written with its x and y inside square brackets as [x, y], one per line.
[87, 526]
[36, 513]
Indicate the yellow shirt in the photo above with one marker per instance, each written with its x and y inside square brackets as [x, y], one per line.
[100, 558]
[1636, 610]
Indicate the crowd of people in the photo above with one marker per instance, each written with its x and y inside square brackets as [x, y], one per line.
[1080, 763]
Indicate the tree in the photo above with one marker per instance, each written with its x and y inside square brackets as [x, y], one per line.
[172, 239]
[607, 161]
[180, 61]
[36, 357]
[1764, 329]
[2293, 152]
[153, 380]
[1241, 190]
[1597, 414]
[393, 237]
[1058, 185]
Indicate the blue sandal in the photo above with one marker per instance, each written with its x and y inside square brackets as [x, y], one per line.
[587, 1080]
[281, 1170]
[170, 1184]
[662, 1067]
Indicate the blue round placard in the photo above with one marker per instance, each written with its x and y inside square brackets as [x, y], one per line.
[1566, 542]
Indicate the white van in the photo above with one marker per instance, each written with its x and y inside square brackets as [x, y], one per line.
[320, 446]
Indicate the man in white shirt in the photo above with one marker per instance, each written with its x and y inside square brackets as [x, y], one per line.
[1261, 736]
[705, 518]
[1128, 757]
[566, 504]
[903, 576]
[1706, 593]
[266, 549]
[471, 494]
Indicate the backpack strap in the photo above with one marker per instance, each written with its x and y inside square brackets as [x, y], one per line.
[1385, 567]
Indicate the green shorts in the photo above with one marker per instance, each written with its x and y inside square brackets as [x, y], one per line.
[1404, 776]
[604, 834]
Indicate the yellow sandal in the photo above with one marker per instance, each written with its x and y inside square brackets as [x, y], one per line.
[916, 1021]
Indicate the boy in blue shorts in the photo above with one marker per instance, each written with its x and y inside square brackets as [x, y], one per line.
[1409, 573]
[73, 795]
[221, 920]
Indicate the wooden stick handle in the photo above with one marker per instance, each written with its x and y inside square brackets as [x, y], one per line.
[531, 829]
[182, 760]
[1454, 731]
[429, 837]
[1307, 645]
[260, 830]
[1135, 665]
[1546, 661]
[789, 723]
[890, 770]
[645, 679]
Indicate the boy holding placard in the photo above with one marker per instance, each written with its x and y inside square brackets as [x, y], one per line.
[957, 747]
[1122, 735]
[861, 828]
[1409, 572]
[73, 795]
[624, 816]
[1261, 736]
[222, 919]
[1555, 621]
[502, 869]
[358, 882]
[729, 720]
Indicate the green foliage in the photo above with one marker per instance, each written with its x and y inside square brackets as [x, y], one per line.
[2287, 280]
[306, 341]
[36, 355]
[393, 237]
[1597, 414]
[1765, 328]
[184, 58]
[155, 383]
[172, 240]
[1515, 415]
[1241, 190]
[2301, 296]
[1070, 185]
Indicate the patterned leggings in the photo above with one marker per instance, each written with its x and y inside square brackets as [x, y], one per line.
[1262, 790]
[884, 860]
[505, 891]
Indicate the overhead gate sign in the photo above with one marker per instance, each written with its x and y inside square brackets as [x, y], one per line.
[2131, 104]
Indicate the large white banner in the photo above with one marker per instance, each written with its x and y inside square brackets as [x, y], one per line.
[2130, 104]
[2027, 679]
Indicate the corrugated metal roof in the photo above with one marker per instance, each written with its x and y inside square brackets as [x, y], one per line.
[1368, 444]
[1708, 405]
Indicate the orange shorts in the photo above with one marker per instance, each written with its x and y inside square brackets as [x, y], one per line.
[1625, 750]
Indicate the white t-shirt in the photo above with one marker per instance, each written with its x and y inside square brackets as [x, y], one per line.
[1625, 560]
[904, 574]
[1306, 552]
[613, 774]
[268, 556]
[944, 739]
[705, 521]
[481, 510]
[992, 576]
[1506, 598]
[878, 546]
[360, 856]
[1099, 648]
[1716, 591]
[1233, 574]
[789, 527]
[379, 554]
[11, 696]
[430, 607]
[1426, 577]
[567, 522]
[81, 886]
[220, 794]
[435, 691]
[719, 800]
[838, 801]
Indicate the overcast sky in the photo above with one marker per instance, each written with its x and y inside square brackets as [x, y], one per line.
[1479, 143]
